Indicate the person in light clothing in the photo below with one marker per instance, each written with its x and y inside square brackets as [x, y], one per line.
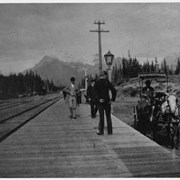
[72, 93]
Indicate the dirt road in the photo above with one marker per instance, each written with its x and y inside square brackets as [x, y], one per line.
[123, 109]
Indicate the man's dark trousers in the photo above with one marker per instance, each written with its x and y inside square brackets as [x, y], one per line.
[107, 108]
[93, 109]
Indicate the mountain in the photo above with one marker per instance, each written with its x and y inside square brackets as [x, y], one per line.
[60, 72]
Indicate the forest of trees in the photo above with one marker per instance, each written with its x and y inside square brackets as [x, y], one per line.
[30, 83]
[130, 68]
[17, 85]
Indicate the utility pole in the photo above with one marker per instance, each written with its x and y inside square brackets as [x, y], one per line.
[99, 41]
[76, 70]
[85, 77]
[129, 54]
[34, 83]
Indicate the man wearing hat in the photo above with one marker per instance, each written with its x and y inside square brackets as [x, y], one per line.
[148, 91]
[92, 98]
[71, 98]
[102, 87]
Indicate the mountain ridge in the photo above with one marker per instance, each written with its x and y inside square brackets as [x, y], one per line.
[52, 68]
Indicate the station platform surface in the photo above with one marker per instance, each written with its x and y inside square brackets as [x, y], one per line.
[53, 145]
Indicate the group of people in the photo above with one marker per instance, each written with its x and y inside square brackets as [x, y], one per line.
[98, 98]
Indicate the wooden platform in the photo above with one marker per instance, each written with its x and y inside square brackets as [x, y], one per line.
[53, 145]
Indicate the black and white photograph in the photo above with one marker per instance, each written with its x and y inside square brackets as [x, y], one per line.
[89, 89]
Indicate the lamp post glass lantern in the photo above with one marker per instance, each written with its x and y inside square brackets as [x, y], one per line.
[109, 61]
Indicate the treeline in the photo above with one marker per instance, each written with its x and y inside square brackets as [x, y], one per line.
[19, 85]
[130, 68]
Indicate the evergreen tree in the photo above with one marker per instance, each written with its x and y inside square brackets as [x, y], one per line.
[177, 71]
[152, 67]
[165, 66]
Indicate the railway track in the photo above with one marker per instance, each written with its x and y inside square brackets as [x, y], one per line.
[17, 116]
[9, 102]
[13, 104]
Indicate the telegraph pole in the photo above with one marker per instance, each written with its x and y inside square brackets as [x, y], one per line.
[85, 69]
[76, 71]
[99, 41]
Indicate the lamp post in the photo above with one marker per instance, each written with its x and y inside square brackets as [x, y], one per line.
[85, 75]
[109, 61]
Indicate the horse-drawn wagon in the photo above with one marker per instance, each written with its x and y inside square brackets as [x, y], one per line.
[158, 117]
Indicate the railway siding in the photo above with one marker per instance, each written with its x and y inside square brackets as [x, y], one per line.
[21, 115]
[10, 111]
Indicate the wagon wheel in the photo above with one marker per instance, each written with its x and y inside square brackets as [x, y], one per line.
[176, 128]
[172, 136]
[156, 124]
[170, 131]
[154, 127]
[177, 136]
[174, 132]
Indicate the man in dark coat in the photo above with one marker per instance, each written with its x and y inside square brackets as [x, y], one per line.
[148, 91]
[102, 87]
[91, 96]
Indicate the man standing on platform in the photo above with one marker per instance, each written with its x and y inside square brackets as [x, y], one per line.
[102, 87]
[91, 96]
[72, 93]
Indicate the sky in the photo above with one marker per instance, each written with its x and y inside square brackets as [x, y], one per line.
[28, 31]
